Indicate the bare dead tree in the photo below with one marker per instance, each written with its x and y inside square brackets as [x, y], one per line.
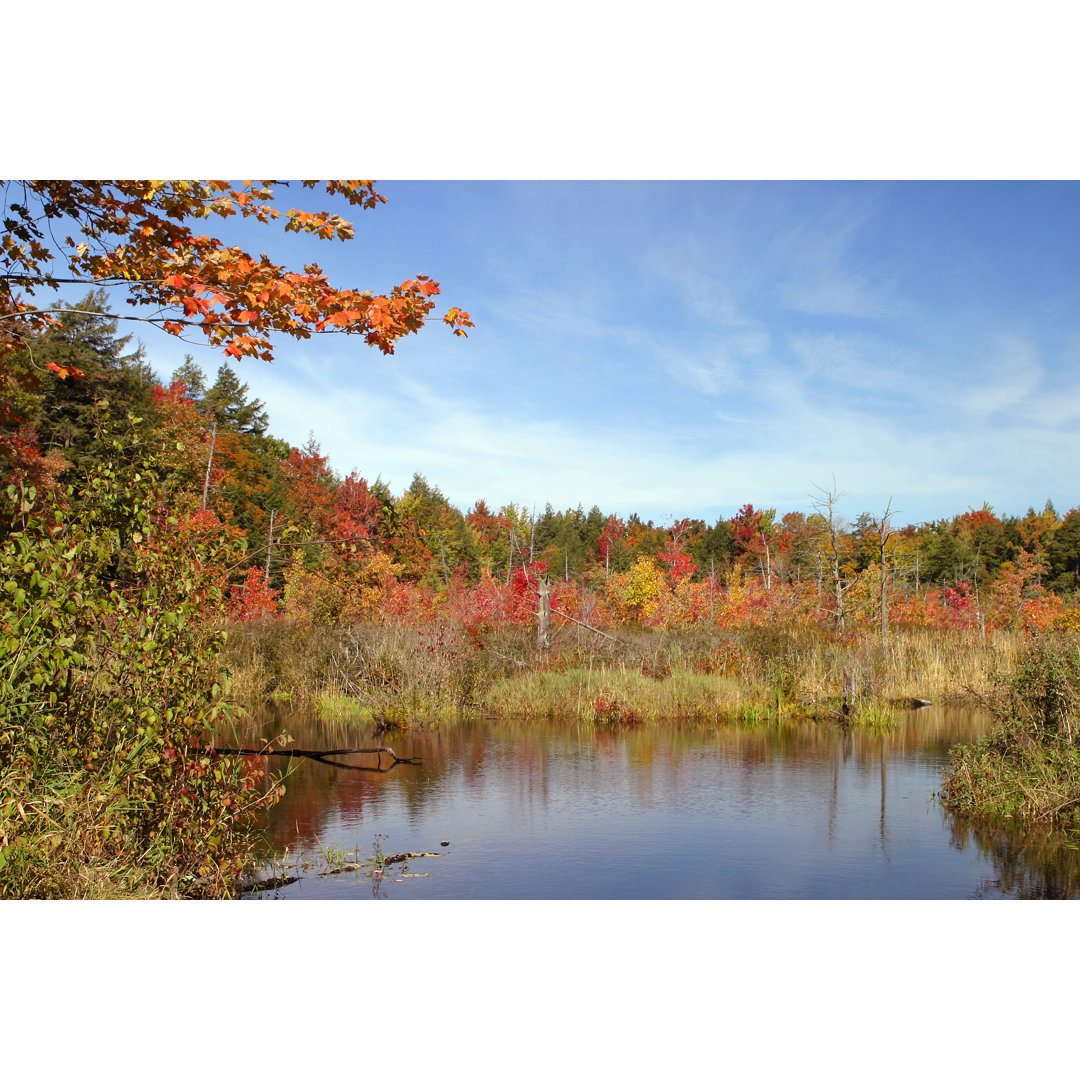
[830, 532]
[883, 528]
[543, 615]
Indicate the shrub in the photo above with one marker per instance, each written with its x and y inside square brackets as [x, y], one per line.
[1028, 768]
[108, 700]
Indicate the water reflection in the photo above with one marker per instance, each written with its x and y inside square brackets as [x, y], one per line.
[563, 810]
[1028, 865]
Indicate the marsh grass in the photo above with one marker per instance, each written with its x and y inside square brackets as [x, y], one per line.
[874, 716]
[574, 692]
[372, 672]
[400, 676]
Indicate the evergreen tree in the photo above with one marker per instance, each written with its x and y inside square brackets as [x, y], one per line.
[1064, 553]
[191, 375]
[713, 549]
[227, 402]
[72, 413]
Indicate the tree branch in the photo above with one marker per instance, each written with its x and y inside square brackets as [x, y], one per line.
[322, 755]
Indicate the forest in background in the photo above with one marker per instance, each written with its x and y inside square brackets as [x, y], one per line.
[311, 545]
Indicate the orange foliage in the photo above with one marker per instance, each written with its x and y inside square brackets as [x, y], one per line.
[134, 232]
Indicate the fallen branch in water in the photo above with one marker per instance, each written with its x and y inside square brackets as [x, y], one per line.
[325, 755]
[402, 856]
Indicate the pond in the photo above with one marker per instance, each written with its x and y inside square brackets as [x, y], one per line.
[546, 810]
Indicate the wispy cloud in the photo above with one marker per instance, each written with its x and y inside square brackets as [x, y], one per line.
[719, 365]
[1011, 371]
[860, 362]
[814, 268]
[689, 358]
[834, 294]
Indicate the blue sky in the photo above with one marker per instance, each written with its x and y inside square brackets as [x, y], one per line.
[678, 349]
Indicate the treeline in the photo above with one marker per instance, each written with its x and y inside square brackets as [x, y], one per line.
[317, 545]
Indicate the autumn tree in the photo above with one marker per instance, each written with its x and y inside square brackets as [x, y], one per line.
[676, 556]
[798, 541]
[1037, 530]
[611, 545]
[437, 524]
[752, 531]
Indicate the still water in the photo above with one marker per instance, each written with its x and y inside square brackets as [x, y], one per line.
[567, 811]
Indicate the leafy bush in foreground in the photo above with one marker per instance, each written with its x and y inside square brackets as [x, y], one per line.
[108, 784]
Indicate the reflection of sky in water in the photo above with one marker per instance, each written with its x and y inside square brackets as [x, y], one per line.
[576, 814]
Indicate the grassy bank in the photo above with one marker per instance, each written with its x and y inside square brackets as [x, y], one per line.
[396, 676]
[1028, 769]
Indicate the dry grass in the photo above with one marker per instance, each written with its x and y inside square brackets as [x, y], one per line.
[402, 675]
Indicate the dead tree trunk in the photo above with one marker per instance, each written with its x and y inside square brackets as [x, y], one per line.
[269, 545]
[884, 528]
[543, 617]
[831, 539]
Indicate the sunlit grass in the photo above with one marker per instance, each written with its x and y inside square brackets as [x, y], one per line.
[402, 676]
[573, 692]
[873, 716]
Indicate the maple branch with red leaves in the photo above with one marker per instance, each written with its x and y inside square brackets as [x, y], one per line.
[134, 233]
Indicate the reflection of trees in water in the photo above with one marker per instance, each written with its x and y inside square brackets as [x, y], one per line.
[664, 765]
[1029, 864]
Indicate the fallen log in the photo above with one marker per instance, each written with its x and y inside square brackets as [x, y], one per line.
[404, 856]
[378, 865]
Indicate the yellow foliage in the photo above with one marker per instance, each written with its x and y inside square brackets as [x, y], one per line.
[645, 586]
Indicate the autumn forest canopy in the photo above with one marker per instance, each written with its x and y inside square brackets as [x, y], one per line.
[316, 545]
[313, 545]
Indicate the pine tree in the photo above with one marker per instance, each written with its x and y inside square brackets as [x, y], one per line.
[227, 402]
[191, 375]
[73, 412]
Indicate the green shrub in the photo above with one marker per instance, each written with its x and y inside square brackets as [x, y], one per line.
[1028, 768]
[109, 700]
